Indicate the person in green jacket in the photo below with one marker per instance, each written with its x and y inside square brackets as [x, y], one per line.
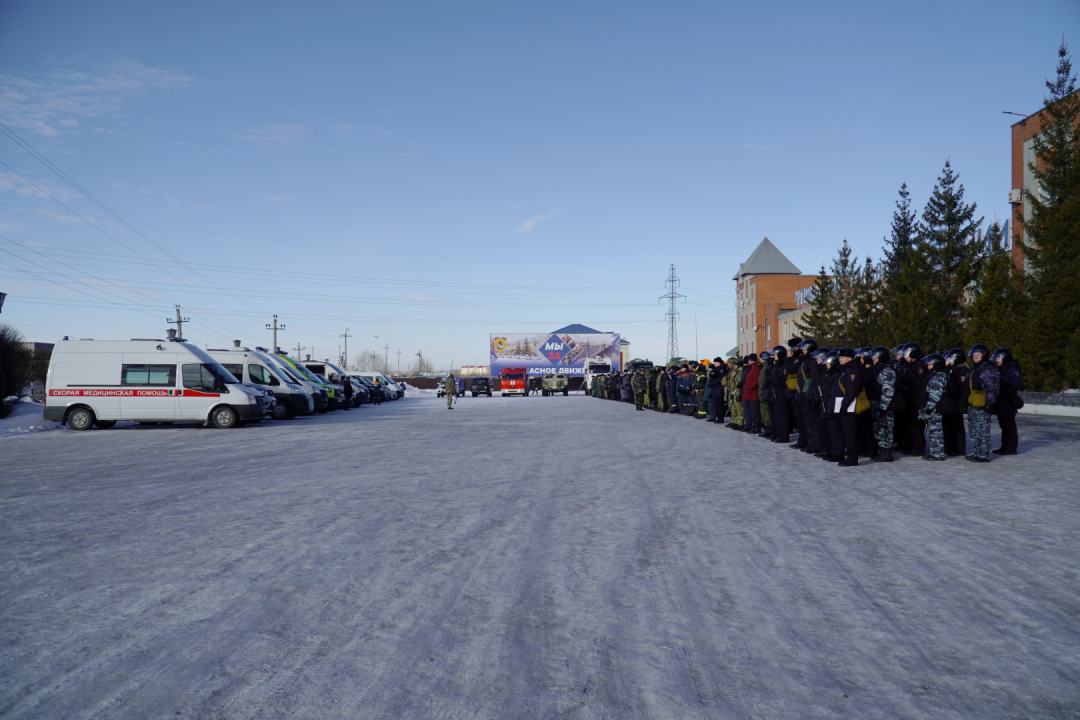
[450, 385]
[734, 399]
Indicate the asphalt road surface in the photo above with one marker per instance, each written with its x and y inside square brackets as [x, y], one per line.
[530, 558]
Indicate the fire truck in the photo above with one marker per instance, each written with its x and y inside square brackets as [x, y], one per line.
[513, 381]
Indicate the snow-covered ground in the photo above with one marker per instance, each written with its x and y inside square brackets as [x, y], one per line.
[25, 417]
[530, 558]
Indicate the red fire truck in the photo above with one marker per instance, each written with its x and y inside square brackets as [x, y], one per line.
[513, 381]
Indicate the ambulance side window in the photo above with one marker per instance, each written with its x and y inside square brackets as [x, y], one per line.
[152, 375]
[236, 370]
[199, 377]
[261, 376]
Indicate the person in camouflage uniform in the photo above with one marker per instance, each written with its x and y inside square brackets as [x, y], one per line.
[765, 395]
[637, 384]
[883, 392]
[734, 399]
[661, 391]
[932, 401]
[982, 394]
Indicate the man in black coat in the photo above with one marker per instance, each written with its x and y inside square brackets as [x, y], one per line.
[850, 385]
[1008, 399]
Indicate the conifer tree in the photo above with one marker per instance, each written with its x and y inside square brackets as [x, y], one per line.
[904, 226]
[908, 284]
[1052, 250]
[831, 314]
[866, 328]
[947, 235]
[997, 307]
[819, 322]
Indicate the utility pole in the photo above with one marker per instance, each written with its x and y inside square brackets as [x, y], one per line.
[298, 350]
[386, 358]
[179, 321]
[672, 314]
[275, 327]
[398, 362]
[419, 362]
[346, 336]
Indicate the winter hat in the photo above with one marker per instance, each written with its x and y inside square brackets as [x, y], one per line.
[752, 357]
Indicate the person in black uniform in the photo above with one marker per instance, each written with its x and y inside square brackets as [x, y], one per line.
[850, 388]
[1008, 399]
[864, 424]
[830, 394]
[901, 433]
[778, 382]
[822, 399]
[798, 365]
[911, 375]
[953, 422]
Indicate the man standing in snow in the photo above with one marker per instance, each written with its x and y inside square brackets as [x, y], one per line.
[637, 384]
[450, 385]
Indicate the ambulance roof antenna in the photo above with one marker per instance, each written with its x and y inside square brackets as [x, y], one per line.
[672, 314]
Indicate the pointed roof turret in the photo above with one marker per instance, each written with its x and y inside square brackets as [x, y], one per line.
[767, 260]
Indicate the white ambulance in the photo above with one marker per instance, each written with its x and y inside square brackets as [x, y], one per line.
[97, 382]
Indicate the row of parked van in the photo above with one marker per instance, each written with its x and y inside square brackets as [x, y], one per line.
[97, 383]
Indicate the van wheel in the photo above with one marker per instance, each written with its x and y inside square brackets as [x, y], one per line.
[280, 411]
[105, 424]
[489, 393]
[81, 419]
[224, 417]
[566, 392]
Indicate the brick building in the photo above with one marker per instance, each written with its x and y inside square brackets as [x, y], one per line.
[765, 287]
[1023, 156]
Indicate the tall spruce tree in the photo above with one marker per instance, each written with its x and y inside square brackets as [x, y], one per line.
[997, 308]
[905, 314]
[866, 327]
[819, 322]
[1052, 250]
[947, 234]
[831, 314]
[904, 226]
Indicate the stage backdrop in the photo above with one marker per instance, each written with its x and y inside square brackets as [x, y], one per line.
[548, 352]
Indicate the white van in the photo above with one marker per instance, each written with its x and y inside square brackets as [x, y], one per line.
[97, 382]
[252, 368]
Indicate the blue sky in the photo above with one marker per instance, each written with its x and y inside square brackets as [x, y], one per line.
[430, 173]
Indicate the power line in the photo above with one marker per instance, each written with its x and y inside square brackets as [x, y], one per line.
[47, 163]
[323, 278]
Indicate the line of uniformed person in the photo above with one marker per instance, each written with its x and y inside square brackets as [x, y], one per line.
[843, 403]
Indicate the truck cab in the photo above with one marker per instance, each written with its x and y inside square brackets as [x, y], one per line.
[513, 381]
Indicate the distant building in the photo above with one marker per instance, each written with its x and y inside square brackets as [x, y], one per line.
[1023, 157]
[765, 287]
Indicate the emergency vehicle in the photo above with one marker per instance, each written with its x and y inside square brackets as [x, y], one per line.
[250, 367]
[98, 382]
[512, 381]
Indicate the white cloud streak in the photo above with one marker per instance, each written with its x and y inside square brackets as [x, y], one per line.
[530, 223]
[57, 102]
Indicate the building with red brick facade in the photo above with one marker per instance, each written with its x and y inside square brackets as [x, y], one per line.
[1023, 157]
[765, 287]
